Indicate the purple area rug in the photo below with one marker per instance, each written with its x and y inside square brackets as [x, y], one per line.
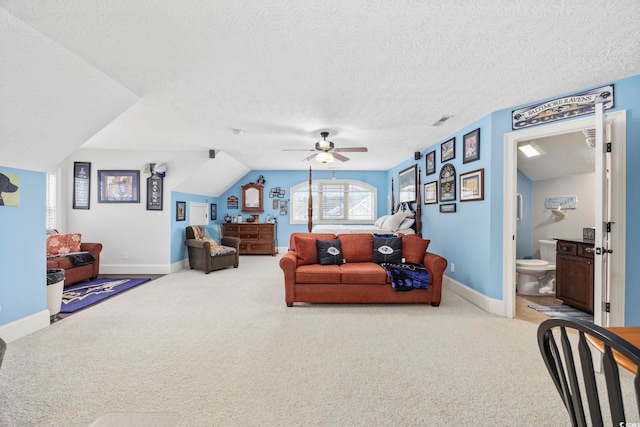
[84, 294]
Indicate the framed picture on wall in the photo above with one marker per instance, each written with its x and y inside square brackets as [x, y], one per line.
[448, 150]
[471, 146]
[119, 186]
[407, 184]
[472, 186]
[154, 194]
[214, 211]
[81, 185]
[431, 193]
[431, 162]
[181, 211]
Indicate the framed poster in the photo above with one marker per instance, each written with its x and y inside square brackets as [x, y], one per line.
[472, 186]
[119, 186]
[81, 185]
[431, 193]
[447, 183]
[154, 194]
[214, 212]
[431, 162]
[448, 150]
[181, 211]
[471, 146]
[407, 184]
[448, 208]
[232, 202]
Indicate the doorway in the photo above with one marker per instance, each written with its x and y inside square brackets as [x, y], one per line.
[618, 179]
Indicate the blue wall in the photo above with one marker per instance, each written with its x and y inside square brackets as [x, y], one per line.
[287, 179]
[178, 249]
[23, 280]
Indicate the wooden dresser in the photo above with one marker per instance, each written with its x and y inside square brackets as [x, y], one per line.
[255, 238]
[574, 273]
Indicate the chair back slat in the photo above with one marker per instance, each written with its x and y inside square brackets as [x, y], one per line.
[578, 385]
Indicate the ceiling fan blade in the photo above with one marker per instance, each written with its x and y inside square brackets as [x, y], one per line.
[352, 150]
[298, 149]
[310, 157]
[340, 157]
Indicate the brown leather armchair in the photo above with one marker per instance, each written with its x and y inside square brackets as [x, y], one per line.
[200, 255]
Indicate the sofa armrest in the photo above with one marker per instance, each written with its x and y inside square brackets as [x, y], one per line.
[436, 266]
[288, 264]
[95, 249]
[198, 244]
[233, 242]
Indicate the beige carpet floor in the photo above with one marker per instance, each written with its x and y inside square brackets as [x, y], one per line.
[224, 350]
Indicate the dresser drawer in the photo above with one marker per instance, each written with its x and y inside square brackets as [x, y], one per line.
[249, 236]
[567, 248]
[246, 228]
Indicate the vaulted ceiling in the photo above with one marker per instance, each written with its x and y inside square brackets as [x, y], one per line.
[252, 78]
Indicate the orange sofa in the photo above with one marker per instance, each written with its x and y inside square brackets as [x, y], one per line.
[359, 279]
[59, 245]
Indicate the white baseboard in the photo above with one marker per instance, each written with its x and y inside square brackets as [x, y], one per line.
[489, 305]
[25, 326]
[135, 269]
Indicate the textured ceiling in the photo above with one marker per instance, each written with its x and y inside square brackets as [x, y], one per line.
[372, 73]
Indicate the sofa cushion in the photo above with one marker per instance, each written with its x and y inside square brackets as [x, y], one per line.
[357, 247]
[413, 248]
[363, 272]
[306, 249]
[330, 252]
[322, 236]
[317, 273]
[387, 249]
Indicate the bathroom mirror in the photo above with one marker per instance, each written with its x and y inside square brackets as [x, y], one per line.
[252, 198]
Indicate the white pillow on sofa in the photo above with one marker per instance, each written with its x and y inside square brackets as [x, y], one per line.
[393, 222]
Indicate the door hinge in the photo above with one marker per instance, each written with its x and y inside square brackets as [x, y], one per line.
[606, 307]
[600, 251]
[608, 147]
[609, 224]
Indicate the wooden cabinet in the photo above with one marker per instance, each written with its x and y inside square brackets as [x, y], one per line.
[574, 274]
[254, 238]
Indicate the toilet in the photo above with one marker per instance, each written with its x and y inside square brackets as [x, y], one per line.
[538, 276]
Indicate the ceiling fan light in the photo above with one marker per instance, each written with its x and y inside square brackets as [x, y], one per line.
[324, 158]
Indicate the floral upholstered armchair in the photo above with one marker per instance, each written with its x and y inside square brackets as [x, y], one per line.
[208, 250]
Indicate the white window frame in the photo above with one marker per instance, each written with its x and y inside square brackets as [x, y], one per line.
[299, 201]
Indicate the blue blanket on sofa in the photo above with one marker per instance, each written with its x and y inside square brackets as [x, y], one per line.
[406, 276]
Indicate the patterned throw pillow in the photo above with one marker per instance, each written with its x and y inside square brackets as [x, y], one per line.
[387, 249]
[330, 252]
[57, 245]
[73, 241]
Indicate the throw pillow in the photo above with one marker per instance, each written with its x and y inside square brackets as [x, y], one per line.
[392, 223]
[413, 248]
[330, 252]
[406, 223]
[73, 241]
[357, 247]
[306, 250]
[387, 249]
[57, 245]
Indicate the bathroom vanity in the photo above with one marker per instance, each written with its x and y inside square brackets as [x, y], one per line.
[574, 273]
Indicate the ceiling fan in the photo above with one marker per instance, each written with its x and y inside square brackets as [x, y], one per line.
[328, 151]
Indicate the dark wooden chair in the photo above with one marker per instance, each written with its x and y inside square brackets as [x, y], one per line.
[565, 347]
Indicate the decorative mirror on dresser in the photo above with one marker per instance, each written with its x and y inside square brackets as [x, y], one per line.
[252, 198]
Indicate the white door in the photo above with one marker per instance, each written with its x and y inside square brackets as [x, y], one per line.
[198, 213]
[609, 283]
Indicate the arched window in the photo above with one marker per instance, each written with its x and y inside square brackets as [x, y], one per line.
[335, 201]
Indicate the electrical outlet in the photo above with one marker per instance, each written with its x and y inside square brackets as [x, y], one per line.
[125, 255]
[453, 267]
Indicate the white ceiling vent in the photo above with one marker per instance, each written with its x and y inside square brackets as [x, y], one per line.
[441, 120]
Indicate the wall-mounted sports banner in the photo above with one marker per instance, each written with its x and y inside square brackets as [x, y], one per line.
[562, 108]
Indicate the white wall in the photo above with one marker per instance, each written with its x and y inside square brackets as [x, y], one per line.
[128, 227]
[546, 225]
